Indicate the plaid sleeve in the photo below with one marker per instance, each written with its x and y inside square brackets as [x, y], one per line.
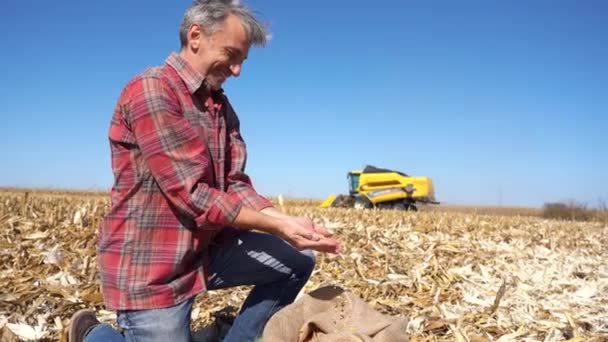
[240, 186]
[175, 153]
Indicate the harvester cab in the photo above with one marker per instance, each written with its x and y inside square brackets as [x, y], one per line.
[375, 187]
[353, 181]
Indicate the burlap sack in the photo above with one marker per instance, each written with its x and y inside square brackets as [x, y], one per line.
[330, 314]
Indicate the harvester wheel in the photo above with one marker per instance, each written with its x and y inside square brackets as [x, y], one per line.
[411, 207]
[361, 203]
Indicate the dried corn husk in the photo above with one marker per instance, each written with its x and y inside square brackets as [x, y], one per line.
[459, 276]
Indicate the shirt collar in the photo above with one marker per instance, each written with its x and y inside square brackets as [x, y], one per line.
[192, 78]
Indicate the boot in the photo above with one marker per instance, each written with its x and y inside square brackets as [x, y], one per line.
[82, 322]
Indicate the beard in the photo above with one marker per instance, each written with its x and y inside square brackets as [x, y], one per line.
[211, 84]
[214, 80]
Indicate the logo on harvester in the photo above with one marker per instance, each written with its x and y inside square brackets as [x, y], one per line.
[409, 189]
[383, 192]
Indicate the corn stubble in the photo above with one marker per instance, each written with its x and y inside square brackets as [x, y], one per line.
[457, 276]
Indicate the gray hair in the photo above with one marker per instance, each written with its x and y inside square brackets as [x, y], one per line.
[210, 14]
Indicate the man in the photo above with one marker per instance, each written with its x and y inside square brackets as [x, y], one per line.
[182, 209]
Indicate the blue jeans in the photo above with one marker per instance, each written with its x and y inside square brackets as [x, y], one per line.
[277, 270]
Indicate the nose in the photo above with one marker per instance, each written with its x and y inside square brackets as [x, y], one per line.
[235, 69]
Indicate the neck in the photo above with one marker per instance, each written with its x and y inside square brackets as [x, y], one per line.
[195, 62]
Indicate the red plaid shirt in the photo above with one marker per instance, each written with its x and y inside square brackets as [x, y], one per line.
[178, 161]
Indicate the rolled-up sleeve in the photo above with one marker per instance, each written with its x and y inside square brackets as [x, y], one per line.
[175, 154]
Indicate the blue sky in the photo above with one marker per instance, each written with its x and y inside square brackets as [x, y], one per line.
[500, 102]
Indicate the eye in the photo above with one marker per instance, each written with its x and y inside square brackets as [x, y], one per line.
[233, 55]
[230, 53]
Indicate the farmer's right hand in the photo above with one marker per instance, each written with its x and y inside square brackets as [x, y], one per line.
[300, 236]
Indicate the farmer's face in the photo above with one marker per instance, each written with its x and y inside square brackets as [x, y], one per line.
[220, 55]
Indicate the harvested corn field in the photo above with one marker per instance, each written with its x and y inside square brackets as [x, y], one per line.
[457, 276]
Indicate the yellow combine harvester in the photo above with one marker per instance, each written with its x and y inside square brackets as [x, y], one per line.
[381, 188]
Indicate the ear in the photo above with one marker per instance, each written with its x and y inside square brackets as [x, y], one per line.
[195, 35]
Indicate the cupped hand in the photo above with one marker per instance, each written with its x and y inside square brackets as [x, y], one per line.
[302, 233]
[310, 224]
